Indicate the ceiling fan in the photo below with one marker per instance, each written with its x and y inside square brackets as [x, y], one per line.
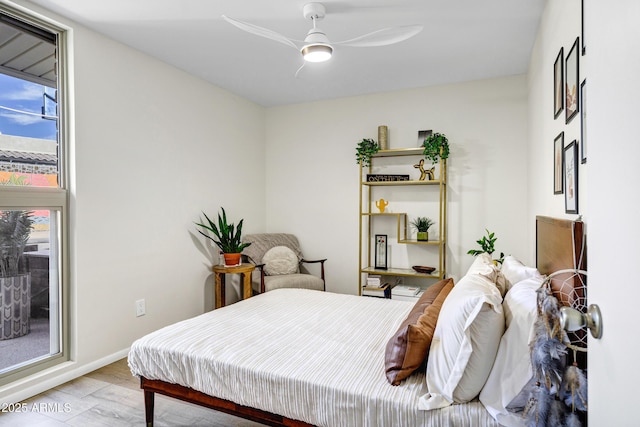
[316, 46]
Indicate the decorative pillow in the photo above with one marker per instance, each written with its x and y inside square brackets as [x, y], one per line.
[512, 371]
[280, 260]
[515, 271]
[464, 343]
[408, 348]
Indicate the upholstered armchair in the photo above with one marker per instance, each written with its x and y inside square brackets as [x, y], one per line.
[280, 263]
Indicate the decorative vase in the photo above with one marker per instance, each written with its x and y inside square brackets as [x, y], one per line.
[231, 260]
[15, 306]
[383, 140]
[423, 236]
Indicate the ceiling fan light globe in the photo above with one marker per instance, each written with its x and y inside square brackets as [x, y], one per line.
[316, 52]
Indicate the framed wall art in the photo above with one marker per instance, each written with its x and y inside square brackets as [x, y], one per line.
[583, 121]
[571, 70]
[381, 251]
[584, 45]
[558, 84]
[571, 178]
[558, 156]
[422, 135]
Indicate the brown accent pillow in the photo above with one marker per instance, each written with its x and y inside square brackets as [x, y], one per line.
[408, 348]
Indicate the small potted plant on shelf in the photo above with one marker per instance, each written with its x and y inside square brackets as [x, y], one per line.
[487, 245]
[436, 147]
[364, 150]
[228, 237]
[422, 225]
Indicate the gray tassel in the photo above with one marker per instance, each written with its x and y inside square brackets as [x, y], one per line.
[572, 421]
[574, 388]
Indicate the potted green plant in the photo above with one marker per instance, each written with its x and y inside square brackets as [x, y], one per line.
[228, 237]
[422, 225]
[15, 229]
[487, 245]
[436, 147]
[364, 150]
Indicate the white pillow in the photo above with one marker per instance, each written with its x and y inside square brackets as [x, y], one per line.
[512, 369]
[483, 264]
[464, 344]
[280, 260]
[515, 271]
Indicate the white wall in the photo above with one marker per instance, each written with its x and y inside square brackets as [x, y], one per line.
[560, 25]
[312, 176]
[151, 148]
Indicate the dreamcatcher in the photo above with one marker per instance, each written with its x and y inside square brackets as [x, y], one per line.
[560, 391]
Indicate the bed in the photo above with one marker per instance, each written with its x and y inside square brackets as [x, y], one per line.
[296, 357]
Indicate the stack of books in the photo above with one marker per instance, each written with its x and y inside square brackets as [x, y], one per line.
[374, 281]
[383, 291]
[405, 291]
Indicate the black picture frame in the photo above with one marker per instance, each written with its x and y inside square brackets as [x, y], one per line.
[571, 178]
[558, 84]
[572, 74]
[422, 135]
[583, 121]
[380, 251]
[558, 164]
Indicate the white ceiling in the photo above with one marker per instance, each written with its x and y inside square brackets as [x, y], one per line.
[462, 40]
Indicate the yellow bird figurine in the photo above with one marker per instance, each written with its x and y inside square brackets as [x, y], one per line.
[381, 205]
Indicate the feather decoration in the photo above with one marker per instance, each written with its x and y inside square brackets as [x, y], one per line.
[536, 411]
[574, 388]
[572, 420]
[557, 412]
[547, 361]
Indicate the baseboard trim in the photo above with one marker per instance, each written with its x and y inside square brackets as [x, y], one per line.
[42, 381]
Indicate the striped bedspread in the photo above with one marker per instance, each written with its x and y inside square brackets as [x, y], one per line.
[308, 355]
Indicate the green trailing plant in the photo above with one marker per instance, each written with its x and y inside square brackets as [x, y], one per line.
[365, 150]
[487, 245]
[228, 237]
[15, 229]
[422, 223]
[436, 147]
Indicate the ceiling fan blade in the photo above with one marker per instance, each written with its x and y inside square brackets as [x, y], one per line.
[260, 31]
[383, 37]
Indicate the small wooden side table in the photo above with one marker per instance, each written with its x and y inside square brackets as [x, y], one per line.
[245, 272]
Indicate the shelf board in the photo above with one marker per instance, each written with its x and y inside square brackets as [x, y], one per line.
[420, 242]
[412, 182]
[400, 152]
[404, 272]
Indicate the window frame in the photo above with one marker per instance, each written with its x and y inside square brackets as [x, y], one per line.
[49, 198]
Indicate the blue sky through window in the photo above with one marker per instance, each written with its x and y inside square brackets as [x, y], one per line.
[24, 96]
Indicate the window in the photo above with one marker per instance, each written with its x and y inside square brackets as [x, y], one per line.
[33, 196]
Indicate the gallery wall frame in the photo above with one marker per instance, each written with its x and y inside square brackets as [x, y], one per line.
[558, 164]
[571, 178]
[558, 84]
[583, 121]
[572, 73]
[584, 45]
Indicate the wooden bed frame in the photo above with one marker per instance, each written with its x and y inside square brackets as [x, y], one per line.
[558, 245]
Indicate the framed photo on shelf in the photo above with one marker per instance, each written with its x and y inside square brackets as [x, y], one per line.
[558, 156]
[583, 121]
[571, 178]
[422, 135]
[558, 84]
[571, 82]
[381, 251]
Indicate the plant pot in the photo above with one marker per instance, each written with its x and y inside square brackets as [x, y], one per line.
[15, 306]
[231, 260]
[423, 236]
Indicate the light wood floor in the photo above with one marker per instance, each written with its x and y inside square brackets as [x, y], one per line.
[110, 397]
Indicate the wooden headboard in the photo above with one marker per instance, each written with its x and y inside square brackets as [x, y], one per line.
[560, 245]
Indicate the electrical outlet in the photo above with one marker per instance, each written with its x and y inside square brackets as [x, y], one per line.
[140, 308]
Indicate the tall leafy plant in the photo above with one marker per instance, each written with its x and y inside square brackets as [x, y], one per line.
[228, 237]
[15, 229]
